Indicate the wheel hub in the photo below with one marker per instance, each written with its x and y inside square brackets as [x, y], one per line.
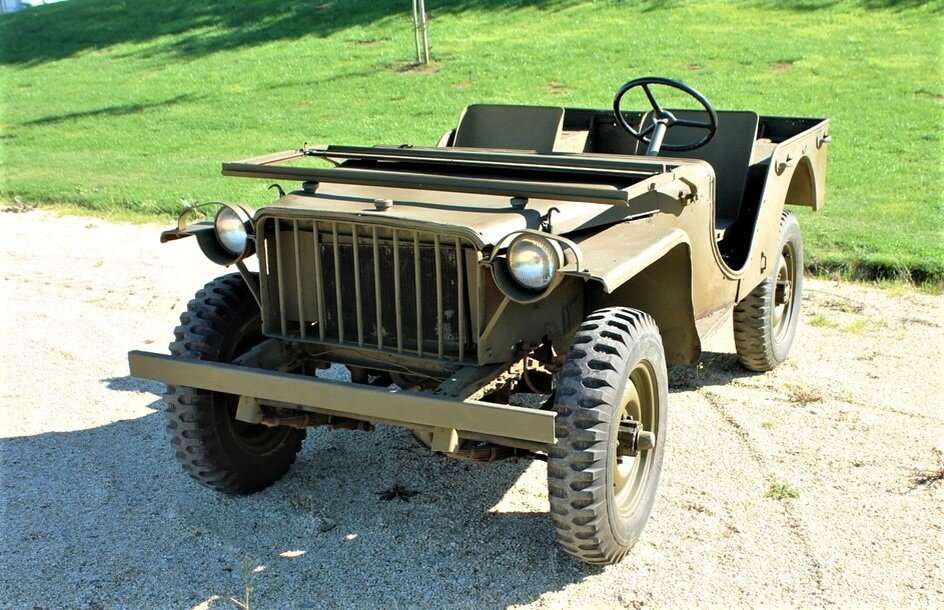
[633, 439]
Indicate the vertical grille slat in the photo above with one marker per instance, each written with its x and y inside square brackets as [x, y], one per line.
[396, 289]
[370, 286]
[264, 270]
[283, 319]
[418, 275]
[299, 292]
[358, 307]
[339, 301]
[439, 297]
[378, 295]
[460, 263]
[319, 282]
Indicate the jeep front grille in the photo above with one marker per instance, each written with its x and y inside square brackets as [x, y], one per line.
[369, 286]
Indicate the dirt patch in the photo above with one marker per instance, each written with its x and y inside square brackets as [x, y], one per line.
[556, 88]
[370, 42]
[415, 68]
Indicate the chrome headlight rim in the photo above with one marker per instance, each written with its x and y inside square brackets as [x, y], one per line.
[554, 259]
[232, 229]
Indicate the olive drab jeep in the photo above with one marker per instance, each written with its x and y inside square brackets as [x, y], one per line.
[566, 255]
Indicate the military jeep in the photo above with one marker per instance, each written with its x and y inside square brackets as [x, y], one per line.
[517, 289]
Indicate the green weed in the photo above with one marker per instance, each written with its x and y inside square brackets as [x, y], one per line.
[821, 321]
[248, 587]
[781, 491]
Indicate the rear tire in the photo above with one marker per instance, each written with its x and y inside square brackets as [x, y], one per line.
[221, 323]
[615, 377]
[765, 321]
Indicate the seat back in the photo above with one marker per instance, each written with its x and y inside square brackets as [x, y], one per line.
[729, 153]
[532, 128]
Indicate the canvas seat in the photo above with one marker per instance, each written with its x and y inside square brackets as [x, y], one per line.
[531, 128]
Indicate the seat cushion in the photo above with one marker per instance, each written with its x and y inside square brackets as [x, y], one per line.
[532, 128]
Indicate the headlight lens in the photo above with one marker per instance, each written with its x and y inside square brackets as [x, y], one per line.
[231, 231]
[533, 261]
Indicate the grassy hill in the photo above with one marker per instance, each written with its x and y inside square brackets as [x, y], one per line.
[128, 107]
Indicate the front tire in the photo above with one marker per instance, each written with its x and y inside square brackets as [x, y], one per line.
[611, 403]
[765, 321]
[221, 323]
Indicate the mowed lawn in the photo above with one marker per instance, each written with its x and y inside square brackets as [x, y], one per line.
[128, 107]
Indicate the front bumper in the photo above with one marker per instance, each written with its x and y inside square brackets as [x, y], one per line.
[446, 416]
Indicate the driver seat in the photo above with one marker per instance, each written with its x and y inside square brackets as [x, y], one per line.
[729, 153]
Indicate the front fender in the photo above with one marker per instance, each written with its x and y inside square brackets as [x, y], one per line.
[621, 251]
[645, 267]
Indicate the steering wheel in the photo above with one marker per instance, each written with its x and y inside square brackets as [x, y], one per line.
[662, 120]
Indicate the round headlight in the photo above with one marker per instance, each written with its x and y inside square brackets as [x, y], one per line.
[533, 261]
[231, 231]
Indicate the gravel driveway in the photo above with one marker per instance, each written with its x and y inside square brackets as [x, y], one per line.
[96, 513]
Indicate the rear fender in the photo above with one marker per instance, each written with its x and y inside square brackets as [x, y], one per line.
[796, 176]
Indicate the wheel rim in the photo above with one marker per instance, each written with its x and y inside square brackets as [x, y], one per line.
[639, 405]
[784, 292]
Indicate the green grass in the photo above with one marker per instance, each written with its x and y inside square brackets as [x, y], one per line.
[129, 107]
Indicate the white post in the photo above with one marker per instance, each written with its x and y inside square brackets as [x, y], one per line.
[422, 11]
[416, 30]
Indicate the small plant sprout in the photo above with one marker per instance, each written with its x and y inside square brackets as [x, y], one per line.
[248, 587]
[780, 491]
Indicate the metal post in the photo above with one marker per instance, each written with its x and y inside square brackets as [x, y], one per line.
[422, 12]
[416, 30]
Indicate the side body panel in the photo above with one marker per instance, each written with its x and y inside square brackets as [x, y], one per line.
[796, 175]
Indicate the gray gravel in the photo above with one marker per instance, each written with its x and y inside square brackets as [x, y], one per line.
[96, 513]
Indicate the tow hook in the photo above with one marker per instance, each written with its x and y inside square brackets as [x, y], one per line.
[633, 438]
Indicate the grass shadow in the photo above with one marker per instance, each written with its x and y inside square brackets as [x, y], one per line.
[109, 111]
[894, 5]
[66, 29]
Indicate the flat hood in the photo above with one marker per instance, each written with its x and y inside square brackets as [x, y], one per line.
[486, 218]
